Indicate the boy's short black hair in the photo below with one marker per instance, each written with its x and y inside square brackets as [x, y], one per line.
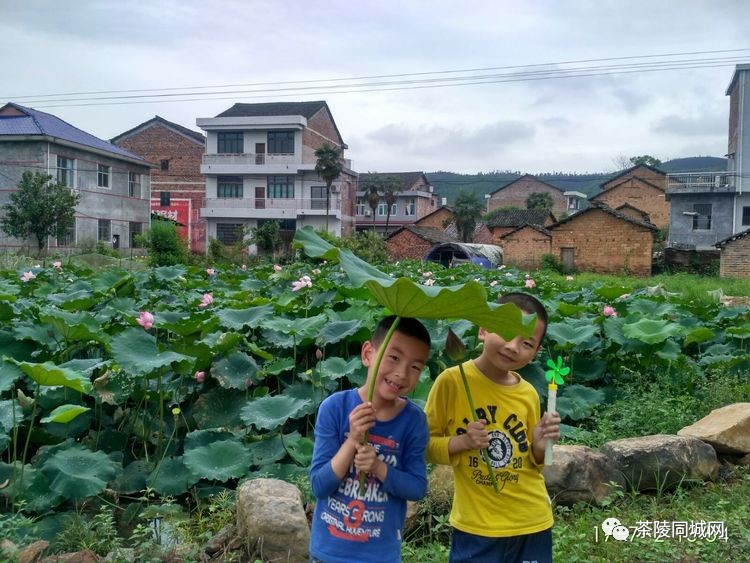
[528, 304]
[407, 325]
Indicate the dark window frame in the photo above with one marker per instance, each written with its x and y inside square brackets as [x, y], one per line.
[66, 171]
[228, 233]
[103, 174]
[702, 219]
[746, 215]
[230, 142]
[134, 181]
[104, 227]
[280, 187]
[280, 142]
[229, 187]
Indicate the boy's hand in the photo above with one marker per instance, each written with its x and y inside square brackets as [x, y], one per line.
[366, 460]
[476, 437]
[548, 428]
[361, 419]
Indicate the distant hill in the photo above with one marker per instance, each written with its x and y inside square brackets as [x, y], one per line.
[450, 184]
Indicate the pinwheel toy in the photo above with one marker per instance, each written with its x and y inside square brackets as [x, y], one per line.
[554, 376]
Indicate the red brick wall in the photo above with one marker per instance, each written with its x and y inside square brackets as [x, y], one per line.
[525, 248]
[407, 245]
[640, 195]
[734, 262]
[516, 194]
[655, 177]
[436, 219]
[604, 244]
[320, 130]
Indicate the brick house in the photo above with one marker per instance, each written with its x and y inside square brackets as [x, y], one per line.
[733, 261]
[413, 242]
[415, 200]
[177, 153]
[634, 212]
[503, 222]
[601, 239]
[440, 218]
[516, 193]
[642, 187]
[524, 246]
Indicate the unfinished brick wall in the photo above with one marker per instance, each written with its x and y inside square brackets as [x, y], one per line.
[640, 195]
[516, 193]
[320, 131]
[734, 262]
[406, 245]
[436, 219]
[524, 248]
[654, 176]
[604, 243]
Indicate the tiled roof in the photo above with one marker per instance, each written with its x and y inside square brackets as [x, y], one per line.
[34, 122]
[452, 229]
[195, 135]
[607, 190]
[601, 207]
[537, 228]
[305, 109]
[408, 178]
[528, 177]
[430, 234]
[733, 238]
[628, 171]
[518, 217]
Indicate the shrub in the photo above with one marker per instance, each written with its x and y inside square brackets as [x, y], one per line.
[550, 263]
[164, 244]
[367, 245]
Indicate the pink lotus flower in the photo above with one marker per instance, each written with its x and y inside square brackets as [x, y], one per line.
[318, 353]
[210, 271]
[57, 264]
[304, 281]
[609, 311]
[200, 376]
[206, 300]
[429, 281]
[244, 266]
[493, 283]
[276, 268]
[145, 319]
[427, 274]
[27, 276]
[530, 284]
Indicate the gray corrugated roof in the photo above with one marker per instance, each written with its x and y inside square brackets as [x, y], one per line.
[199, 137]
[305, 109]
[35, 122]
[408, 178]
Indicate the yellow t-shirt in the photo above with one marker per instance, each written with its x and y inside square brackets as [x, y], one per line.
[523, 505]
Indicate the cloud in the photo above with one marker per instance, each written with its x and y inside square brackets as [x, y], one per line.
[694, 125]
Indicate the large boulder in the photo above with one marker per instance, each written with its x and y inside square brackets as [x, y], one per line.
[271, 519]
[579, 473]
[662, 461]
[727, 429]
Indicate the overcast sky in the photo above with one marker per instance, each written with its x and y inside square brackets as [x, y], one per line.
[578, 124]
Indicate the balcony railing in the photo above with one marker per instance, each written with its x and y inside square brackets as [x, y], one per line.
[250, 159]
[316, 204]
[699, 182]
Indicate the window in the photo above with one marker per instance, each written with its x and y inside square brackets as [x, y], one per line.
[104, 232]
[69, 237]
[229, 187]
[360, 206]
[165, 165]
[228, 233]
[318, 195]
[281, 142]
[65, 171]
[280, 187]
[102, 175]
[745, 216]
[702, 219]
[574, 203]
[411, 207]
[230, 142]
[382, 209]
[134, 184]
[135, 230]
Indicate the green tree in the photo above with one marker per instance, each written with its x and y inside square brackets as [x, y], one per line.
[165, 245]
[328, 167]
[540, 201]
[39, 208]
[467, 210]
[372, 188]
[391, 187]
[646, 159]
[267, 237]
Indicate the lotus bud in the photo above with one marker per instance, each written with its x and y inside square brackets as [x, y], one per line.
[455, 349]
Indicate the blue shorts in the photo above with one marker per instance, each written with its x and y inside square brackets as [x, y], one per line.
[531, 548]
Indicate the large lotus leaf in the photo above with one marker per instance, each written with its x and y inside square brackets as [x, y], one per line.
[31, 330]
[279, 365]
[610, 292]
[4, 441]
[587, 368]
[168, 273]
[85, 365]
[49, 374]
[6, 311]
[200, 438]
[740, 332]
[135, 351]
[405, 298]
[301, 327]
[699, 336]
[336, 331]
[280, 339]
[570, 309]
[306, 392]
[573, 333]
[220, 342]
[72, 326]
[670, 352]
[299, 448]
[650, 308]
[8, 291]
[219, 408]
[182, 323]
[113, 387]
[336, 368]
[266, 451]
[16, 348]
[9, 373]
[651, 331]
[577, 402]
[252, 285]
[270, 412]
[65, 413]
[112, 279]
[32, 487]
[322, 299]
[237, 319]
[285, 471]
[218, 461]
[234, 371]
[74, 300]
[11, 415]
[133, 478]
[173, 478]
[78, 473]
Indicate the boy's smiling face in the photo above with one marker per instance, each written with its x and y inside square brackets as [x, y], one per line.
[501, 356]
[400, 368]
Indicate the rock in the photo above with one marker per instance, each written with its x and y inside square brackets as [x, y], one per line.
[727, 429]
[271, 519]
[661, 461]
[579, 473]
[438, 500]
[85, 556]
[34, 552]
[744, 460]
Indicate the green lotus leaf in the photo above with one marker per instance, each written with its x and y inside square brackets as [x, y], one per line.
[173, 478]
[299, 448]
[270, 412]
[266, 451]
[221, 342]
[133, 478]
[651, 331]
[9, 373]
[65, 413]
[78, 473]
[31, 330]
[4, 441]
[16, 348]
[200, 438]
[610, 292]
[49, 374]
[113, 279]
[32, 488]
[698, 336]
[740, 332]
[219, 408]
[586, 368]
[237, 319]
[336, 331]
[135, 351]
[85, 365]
[670, 352]
[306, 392]
[336, 368]
[577, 402]
[285, 471]
[6, 311]
[181, 323]
[573, 333]
[11, 415]
[279, 365]
[72, 326]
[168, 273]
[302, 328]
[253, 285]
[650, 308]
[234, 371]
[218, 461]
[570, 309]
[78, 300]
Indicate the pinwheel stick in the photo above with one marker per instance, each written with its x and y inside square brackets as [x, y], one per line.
[554, 376]
[551, 405]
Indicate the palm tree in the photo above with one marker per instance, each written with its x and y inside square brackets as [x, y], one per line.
[391, 187]
[372, 193]
[466, 211]
[328, 167]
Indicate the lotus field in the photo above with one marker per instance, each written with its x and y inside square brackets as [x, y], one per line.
[136, 385]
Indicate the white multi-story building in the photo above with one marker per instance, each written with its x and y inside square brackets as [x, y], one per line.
[260, 166]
